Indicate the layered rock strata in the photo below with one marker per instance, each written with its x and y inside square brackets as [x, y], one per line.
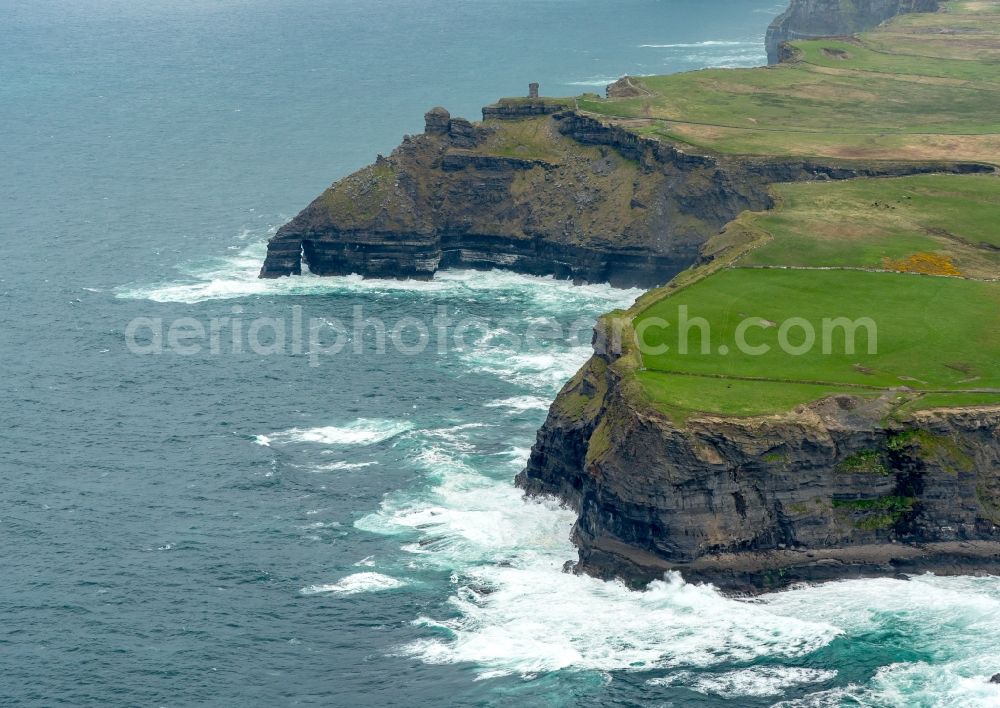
[832, 490]
[563, 194]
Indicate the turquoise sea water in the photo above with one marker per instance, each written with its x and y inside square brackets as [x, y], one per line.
[237, 529]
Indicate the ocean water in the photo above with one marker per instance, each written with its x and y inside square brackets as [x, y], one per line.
[240, 528]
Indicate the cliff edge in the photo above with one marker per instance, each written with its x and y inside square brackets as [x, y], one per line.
[543, 189]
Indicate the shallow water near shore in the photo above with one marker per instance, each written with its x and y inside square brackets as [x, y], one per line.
[242, 529]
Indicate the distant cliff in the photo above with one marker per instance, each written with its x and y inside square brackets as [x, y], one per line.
[808, 19]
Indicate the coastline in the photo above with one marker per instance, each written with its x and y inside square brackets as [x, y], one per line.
[592, 190]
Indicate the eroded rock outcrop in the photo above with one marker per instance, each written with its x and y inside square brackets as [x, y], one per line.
[810, 19]
[558, 195]
[831, 490]
[563, 194]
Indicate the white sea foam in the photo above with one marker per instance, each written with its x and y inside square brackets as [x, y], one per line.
[521, 403]
[236, 277]
[468, 517]
[954, 620]
[717, 54]
[322, 525]
[595, 81]
[544, 371]
[508, 556]
[342, 466]
[518, 455]
[356, 584]
[605, 626]
[362, 431]
[758, 681]
[728, 61]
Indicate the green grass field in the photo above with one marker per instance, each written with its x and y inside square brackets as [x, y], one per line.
[938, 337]
[932, 332]
[934, 35]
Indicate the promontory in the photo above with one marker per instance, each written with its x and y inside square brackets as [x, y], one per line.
[810, 389]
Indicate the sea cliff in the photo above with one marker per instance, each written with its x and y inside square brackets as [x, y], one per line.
[836, 488]
[857, 177]
[542, 191]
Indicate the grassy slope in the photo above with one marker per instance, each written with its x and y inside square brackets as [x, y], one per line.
[933, 332]
[906, 91]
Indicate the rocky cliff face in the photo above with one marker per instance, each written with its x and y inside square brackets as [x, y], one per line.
[831, 490]
[809, 19]
[514, 193]
[547, 194]
[530, 192]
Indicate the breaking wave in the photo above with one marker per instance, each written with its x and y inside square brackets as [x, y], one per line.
[507, 555]
[235, 277]
[356, 584]
[762, 681]
[601, 81]
[695, 45]
[363, 431]
[342, 466]
[715, 54]
[521, 403]
[545, 371]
